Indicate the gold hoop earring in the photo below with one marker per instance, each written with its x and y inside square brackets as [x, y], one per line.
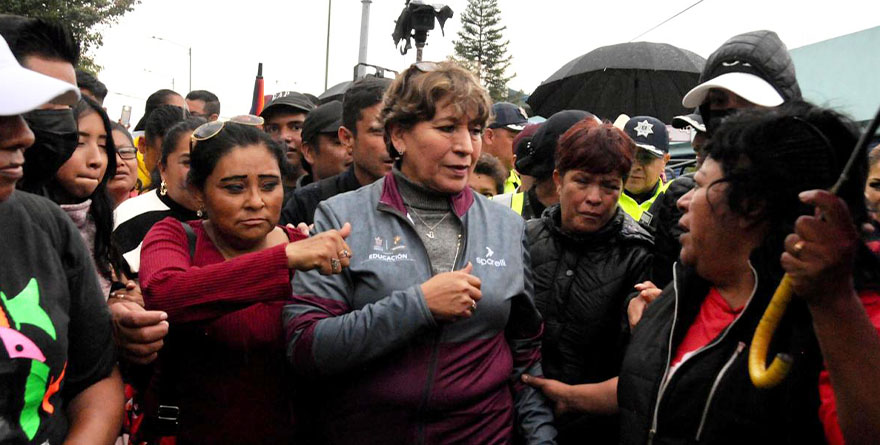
[163, 188]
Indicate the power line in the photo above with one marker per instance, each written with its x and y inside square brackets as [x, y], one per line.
[670, 18]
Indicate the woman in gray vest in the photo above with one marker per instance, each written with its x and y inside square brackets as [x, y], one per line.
[422, 339]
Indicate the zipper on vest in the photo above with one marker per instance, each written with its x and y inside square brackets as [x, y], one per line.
[664, 381]
[457, 251]
[429, 383]
[739, 349]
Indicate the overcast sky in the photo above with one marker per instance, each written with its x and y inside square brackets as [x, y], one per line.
[228, 38]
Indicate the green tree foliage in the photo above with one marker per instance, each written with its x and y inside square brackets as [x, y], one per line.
[84, 17]
[481, 48]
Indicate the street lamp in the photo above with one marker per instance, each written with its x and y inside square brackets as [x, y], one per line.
[162, 74]
[189, 51]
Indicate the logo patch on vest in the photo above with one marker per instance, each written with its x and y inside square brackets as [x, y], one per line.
[489, 261]
[389, 252]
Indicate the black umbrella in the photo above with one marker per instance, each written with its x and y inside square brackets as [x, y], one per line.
[335, 92]
[639, 78]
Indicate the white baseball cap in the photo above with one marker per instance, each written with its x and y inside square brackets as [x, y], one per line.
[746, 85]
[23, 90]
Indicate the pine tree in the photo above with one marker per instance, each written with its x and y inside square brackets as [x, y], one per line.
[480, 47]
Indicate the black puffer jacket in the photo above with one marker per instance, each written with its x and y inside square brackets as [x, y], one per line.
[710, 398]
[582, 286]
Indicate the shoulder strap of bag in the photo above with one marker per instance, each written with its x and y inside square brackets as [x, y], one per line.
[191, 237]
[167, 412]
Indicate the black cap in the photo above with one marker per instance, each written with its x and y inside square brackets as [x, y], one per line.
[538, 157]
[509, 116]
[649, 134]
[292, 99]
[326, 118]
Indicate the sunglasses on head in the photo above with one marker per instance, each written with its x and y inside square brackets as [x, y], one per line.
[422, 67]
[211, 129]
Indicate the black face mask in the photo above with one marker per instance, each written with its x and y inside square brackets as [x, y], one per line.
[55, 140]
[713, 118]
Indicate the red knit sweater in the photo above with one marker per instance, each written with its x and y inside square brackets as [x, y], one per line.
[225, 341]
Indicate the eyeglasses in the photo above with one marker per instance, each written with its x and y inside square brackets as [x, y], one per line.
[211, 129]
[126, 153]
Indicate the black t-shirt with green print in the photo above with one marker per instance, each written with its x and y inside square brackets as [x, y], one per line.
[55, 332]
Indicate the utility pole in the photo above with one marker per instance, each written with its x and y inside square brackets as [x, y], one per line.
[189, 51]
[365, 37]
[327, 52]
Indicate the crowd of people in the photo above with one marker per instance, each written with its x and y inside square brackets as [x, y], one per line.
[417, 264]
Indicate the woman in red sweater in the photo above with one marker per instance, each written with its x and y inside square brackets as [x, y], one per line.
[223, 281]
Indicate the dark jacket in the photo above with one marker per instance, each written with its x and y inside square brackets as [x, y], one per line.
[582, 286]
[301, 207]
[663, 225]
[710, 398]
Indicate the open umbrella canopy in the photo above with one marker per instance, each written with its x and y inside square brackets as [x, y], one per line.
[638, 78]
[335, 92]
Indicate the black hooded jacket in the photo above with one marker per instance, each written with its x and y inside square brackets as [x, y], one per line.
[710, 397]
[582, 286]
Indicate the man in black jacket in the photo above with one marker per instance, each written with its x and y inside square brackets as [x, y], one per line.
[364, 136]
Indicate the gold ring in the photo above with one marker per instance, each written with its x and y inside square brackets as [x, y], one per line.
[798, 247]
[345, 253]
[335, 265]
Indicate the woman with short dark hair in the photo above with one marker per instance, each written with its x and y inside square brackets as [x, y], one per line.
[587, 255]
[223, 281]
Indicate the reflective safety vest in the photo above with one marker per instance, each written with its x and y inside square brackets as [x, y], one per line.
[640, 211]
[512, 200]
[512, 182]
[143, 173]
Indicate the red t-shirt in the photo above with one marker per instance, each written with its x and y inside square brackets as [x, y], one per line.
[828, 407]
[715, 316]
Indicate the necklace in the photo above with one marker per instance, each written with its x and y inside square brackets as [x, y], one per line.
[430, 233]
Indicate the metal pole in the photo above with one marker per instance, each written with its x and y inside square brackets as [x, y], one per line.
[365, 37]
[190, 68]
[327, 52]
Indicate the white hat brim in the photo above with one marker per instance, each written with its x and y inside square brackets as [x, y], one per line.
[748, 86]
[24, 90]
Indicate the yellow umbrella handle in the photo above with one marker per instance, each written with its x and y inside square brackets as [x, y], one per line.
[764, 377]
